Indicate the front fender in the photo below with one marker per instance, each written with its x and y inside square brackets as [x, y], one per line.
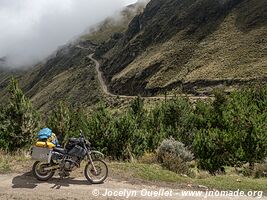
[97, 153]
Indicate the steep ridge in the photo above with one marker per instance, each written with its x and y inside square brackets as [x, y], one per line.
[195, 45]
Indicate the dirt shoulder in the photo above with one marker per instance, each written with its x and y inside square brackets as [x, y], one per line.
[18, 183]
[25, 186]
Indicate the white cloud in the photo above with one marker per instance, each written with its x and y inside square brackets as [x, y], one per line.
[32, 29]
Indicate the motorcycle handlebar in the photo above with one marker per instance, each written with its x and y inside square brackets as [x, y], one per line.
[81, 134]
[84, 140]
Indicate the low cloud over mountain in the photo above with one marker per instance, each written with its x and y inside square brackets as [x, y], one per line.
[32, 29]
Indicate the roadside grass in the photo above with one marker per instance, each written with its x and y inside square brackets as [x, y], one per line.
[234, 182]
[20, 162]
[149, 172]
[15, 162]
[153, 172]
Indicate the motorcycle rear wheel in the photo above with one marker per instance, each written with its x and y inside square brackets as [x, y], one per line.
[40, 173]
[101, 169]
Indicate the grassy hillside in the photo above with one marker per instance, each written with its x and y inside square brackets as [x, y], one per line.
[189, 44]
[68, 76]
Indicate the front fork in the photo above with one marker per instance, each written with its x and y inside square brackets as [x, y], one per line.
[91, 160]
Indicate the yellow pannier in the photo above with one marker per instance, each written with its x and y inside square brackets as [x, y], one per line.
[48, 145]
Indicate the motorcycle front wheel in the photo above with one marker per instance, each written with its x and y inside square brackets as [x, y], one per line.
[40, 173]
[96, 172]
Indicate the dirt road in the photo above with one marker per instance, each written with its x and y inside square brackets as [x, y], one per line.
[26, 187]
[100, 76]
[106, 91]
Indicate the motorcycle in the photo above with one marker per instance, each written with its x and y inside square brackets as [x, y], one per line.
[67, 159]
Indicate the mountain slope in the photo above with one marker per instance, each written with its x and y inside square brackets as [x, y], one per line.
[189, 44]
[68, 75]
[115, 24]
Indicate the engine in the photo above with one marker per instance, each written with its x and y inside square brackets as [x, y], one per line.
[69, 163]
[57, 157]
[70, 157]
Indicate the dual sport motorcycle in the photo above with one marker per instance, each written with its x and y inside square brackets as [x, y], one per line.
[65, 160]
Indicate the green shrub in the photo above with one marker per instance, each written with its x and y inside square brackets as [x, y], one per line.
[245, 116]
[234, 130]
[18, 120]
[130, 141]
[204, 116]
[212, 148]
[174, 156]
[154, 126]
[78, 121]
[59, 121]
[100, 130]
[177, 117]
[172, 118]
[137, 107]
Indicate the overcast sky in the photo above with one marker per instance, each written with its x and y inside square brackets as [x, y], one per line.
[33, 29]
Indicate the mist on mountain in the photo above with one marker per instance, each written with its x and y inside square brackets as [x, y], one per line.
[32, 29]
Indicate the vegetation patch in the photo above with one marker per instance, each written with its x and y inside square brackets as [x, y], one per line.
[227, 133]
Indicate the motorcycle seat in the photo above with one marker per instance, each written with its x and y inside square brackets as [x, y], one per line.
[59, 150]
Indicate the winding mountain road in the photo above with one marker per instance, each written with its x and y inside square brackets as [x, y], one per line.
[106, 91]
[100, 77]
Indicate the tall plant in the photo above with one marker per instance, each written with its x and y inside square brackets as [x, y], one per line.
[59, 121]
[21, 121]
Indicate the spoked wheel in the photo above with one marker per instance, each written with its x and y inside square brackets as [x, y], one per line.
[96, 172]
[40, 173]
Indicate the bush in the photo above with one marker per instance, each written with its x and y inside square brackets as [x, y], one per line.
[177, 115]
[119, 137]
[59, 121]
[154, 126]
[137, 107]
[100, 130]
[174, 156]
[211, 147]
[172, 118]
[129, 142]
[234, 131]
[78, 121]
[18, 120]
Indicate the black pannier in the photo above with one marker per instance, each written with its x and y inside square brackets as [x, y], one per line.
[77, 151]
